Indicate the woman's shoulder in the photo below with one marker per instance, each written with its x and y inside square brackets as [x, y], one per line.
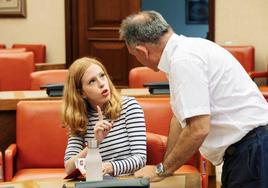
[129, 101]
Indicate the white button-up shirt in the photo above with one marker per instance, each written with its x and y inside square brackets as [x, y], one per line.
[206, 79]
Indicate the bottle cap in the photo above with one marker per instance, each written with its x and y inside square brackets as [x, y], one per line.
[92, 143]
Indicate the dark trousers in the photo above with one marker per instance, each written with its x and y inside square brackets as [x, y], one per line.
[246, 162]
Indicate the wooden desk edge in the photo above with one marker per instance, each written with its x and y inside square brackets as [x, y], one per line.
[49, 66]
[9, 100]
[191, 180]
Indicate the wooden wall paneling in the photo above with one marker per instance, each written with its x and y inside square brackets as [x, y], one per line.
[83, 14]
[111, 54]
[103, 37]
[71, 31]
[211, 20]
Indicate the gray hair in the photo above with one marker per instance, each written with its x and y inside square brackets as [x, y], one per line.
[144, 27]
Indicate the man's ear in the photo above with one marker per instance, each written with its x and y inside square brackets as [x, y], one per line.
[142, 49]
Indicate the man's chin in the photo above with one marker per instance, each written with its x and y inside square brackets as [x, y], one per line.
[151, 67]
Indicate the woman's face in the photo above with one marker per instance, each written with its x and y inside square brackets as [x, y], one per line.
[95, 86]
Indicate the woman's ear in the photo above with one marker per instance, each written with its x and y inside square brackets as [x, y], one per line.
[142, 49]
[82, 94]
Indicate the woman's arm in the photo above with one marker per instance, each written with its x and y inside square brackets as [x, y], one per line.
[75, 149]
[135, 125]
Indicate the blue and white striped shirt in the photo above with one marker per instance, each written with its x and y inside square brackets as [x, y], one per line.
[124, 146]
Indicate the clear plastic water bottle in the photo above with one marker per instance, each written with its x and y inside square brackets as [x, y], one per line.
[93, 162]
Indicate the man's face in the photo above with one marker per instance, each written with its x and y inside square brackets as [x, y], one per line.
[143, 56]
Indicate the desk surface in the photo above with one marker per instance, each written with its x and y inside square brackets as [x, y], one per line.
[181, 181]
[9, 99]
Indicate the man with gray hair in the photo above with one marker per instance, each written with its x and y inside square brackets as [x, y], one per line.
[219, 108]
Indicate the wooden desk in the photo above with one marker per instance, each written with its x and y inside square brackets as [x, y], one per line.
[9, 100]
[49, 66]
[181, 181]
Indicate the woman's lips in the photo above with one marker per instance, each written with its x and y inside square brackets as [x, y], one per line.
[105, 92]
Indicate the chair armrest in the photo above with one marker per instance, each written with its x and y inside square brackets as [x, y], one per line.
[156, 148]
[255, 74]
[10, 153]
[1, 168]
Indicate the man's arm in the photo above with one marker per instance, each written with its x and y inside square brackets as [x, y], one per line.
[187, 143]
[182, 144]
[173, 135]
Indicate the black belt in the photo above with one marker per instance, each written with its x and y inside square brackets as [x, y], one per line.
[250, 135]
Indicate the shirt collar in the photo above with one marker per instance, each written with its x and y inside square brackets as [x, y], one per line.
[164, 63]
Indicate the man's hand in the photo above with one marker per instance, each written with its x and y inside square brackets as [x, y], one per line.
[148, 172]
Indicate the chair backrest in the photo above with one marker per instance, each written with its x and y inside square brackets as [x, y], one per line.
[158, 115]
[2, 46]
[141, 75]
[40, 78]
[15, 71]
[39, 51]
[244, 54]
[156, 148]
[40, 139]
[12, 50]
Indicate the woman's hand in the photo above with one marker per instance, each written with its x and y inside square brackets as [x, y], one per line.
[107, 168]
[102, 127]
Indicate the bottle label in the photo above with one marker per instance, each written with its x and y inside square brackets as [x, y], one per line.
[80, 163]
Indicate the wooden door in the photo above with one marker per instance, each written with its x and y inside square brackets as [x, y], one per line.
[92, 30]
[92, 26]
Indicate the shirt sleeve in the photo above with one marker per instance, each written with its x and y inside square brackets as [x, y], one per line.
[74, 146]
[189, 88]
[135, 125]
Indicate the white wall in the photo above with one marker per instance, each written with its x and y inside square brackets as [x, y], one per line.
[240, 21]
[244, 22]
[45, 23]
